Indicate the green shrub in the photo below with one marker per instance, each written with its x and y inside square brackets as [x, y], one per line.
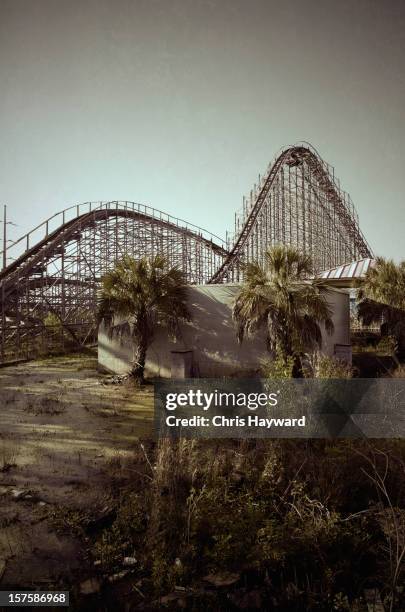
[323, 366]
[277, 367]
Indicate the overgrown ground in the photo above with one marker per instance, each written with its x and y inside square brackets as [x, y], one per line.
[66, 439]
[126, 524]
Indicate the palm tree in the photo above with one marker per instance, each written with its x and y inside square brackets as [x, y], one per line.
[385, 283]
[278, 298]
[138, 295]
[382, 300]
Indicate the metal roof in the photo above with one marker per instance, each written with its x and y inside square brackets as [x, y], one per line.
[348, 273]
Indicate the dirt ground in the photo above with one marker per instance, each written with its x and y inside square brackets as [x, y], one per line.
[63, 432]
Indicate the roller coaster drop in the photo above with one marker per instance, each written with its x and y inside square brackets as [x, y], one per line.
[48, 292]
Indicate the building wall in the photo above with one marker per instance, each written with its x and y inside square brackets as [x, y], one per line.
[211, 337]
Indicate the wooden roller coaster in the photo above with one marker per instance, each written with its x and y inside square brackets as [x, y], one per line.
[48, 290]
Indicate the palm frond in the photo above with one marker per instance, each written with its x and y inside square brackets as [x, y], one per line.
[278, 298]
[146, 291]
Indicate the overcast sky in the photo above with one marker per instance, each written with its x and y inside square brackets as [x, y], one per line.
[180, 104]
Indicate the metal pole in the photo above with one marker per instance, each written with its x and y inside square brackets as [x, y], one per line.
[4, 236]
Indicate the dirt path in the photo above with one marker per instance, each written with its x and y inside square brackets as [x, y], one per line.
[63, 433]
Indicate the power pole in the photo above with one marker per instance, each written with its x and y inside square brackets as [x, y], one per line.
[5, 223]
[4, 236]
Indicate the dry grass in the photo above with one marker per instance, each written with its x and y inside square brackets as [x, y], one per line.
[9, 451]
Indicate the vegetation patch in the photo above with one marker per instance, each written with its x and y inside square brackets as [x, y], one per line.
[303, 525]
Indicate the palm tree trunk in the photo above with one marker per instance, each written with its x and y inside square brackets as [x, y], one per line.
[138, 364]
[297, 367]
[285, 344]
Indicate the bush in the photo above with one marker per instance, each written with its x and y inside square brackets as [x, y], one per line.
[323, 366]
[277, 367]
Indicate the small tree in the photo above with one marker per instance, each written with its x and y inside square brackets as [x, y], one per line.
[280, 299]
[138, 295]
[382, 300]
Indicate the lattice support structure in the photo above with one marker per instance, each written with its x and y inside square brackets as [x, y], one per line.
[48, 291]
[61, 273]
[297, 202]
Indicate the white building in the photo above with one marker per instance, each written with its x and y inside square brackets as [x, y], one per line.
[207, 345]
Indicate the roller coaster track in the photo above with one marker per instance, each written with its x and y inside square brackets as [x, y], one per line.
[48, 291]
[320, 218]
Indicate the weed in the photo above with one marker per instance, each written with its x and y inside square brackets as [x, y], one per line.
[9, 452]
[48, 405]
[69, 520]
